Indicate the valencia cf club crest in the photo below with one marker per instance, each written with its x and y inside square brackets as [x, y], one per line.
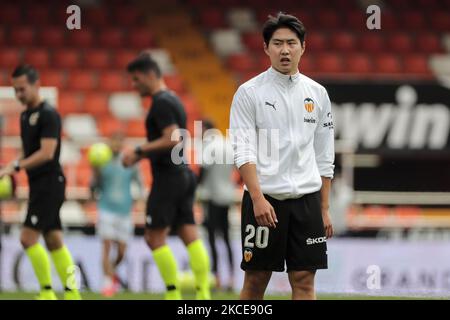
[248, 255]
[33, 118]
[309, 104]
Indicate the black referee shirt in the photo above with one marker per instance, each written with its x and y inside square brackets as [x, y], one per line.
[166, 110]
[35, 124]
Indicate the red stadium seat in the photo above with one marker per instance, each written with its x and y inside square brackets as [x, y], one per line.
[9, 57]
[21, 36]
[37, 14]
[343, 41]
[69, 102]
[389, 21]
[387, 63]
[135, 128]
[97, 17]
[126, 16]
[327, 19]
[316, 41]
[37, 57]
[400, 4]
[112, 38]
[355, 20]
[140, 38]
[175, 83]
[358, 63]
[212, 18]
[413, 20]
[96, 104]
[53, 78]
[439, 21]
[96, 58]
[51, 36]
[307, 64]
[10, 14]
[428, 42]
[82, 80]
[253, 41]
[328, 63]
[107, 125]
[371, 42]
[416, 63]
[263, 62]
[2, 36]
[400, 42]
[121, 58]
[112, 81]
[241, 62]
[81, 38]
[66, 58]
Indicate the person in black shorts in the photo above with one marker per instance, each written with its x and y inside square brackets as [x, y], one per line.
[40, 130]
[170, 204]
[281, 129]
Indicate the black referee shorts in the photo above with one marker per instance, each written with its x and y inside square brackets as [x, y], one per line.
[47, 194]
[171, 200]
[298, 241]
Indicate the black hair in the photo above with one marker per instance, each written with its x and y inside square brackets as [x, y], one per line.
[283, 20]
[144, 63]
[208, 124]
[27, 70]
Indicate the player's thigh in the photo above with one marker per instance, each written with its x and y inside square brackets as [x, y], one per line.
[161, 206]
[307, 248]
[263, 248]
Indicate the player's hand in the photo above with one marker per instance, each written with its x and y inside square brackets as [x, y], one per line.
[327, 223]
[129, 158]
[6, 171]
[264, 213]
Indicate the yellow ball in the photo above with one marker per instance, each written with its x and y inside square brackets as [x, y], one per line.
[6, 187]
[99, 154]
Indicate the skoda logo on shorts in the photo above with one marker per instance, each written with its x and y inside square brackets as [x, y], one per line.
[248, 254]
[311, 241]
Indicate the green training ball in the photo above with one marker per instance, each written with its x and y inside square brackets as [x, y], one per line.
[99, 154]
[6, 187]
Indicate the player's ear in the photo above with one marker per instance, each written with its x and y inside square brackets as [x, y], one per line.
[266, 48]
[303, 45]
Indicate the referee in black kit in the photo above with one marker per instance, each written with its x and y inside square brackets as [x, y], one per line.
[40, 129]
[170, 204]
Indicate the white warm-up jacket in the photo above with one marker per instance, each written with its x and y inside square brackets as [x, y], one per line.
[283, 124]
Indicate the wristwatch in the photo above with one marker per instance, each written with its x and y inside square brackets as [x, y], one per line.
[138, 151]
[16, 166]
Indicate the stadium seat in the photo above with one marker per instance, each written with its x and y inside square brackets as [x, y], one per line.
[53, 77]
[2, 36]
[439, 21]
[253, 41]
[81, 80]
[355, 20]
[66, 58]
[21, 36]
[263, 62]
[371, 42]
[428, 42]
[80, 126]
[328, 63]
[327, 19]
[107, 125]
[226, 42]
[387, 63]
[125, 105]
[390, 21]
[400, 42]
[51, 36]
[10, 14]
[358, 63]
[96, 58]
[140, 38]
[125, 16]
[135, 128]
[37, 57]
[37, 15]
[81, 38]
[175, 83]
[69, 102]
[307, 63]
[343, 41]
[111, 38]
[212, 18]
[413, 20]
[97, 17]
[316, 41]
[416, 63]
[112, 80]
[241, 62]
[121, 58]
[96, 104]
[242, 19]
[9, 57]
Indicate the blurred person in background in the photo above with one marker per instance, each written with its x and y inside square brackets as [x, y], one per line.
[218, 193]
[170, 203]
[40, 132]
[112, 185]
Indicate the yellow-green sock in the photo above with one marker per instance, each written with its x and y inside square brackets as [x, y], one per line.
[199, 261]
[41, 265]
[168, 269]
[62, 259]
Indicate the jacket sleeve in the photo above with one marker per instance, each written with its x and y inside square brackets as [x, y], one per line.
[324, 138]
[242, 131]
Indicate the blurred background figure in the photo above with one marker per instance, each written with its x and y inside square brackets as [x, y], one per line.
[112, 186]
[218, 193]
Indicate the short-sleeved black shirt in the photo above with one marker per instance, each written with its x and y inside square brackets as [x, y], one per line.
[35, 124]
[166, 110]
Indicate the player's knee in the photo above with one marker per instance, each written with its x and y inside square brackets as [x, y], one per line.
[26, 241]
[303, 281]
[256, 282]
[153, 241]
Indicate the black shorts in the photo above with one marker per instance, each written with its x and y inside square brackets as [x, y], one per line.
[171, 200]
[47, 194]
[298, 240]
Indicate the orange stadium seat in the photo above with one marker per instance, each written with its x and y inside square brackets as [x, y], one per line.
[358, 63]
[135, 128]
[387, 63]
[307, 64]
[37, 57]
[66, 58]
[12, 126]
[112, 80]
[81, 38]
[107, 125]
[96, 58]
[69, 102]
[212, 18]
[53, 77]
[175, 83]
[241, 62]
[112, 38]
[328, 62]
[400, 42]
[140, 38]
[96, 104]
[21, 36]
[343, 41]
[51, 36]
[82, 80]
[9, 57]
[121, 58]
[416, 63]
